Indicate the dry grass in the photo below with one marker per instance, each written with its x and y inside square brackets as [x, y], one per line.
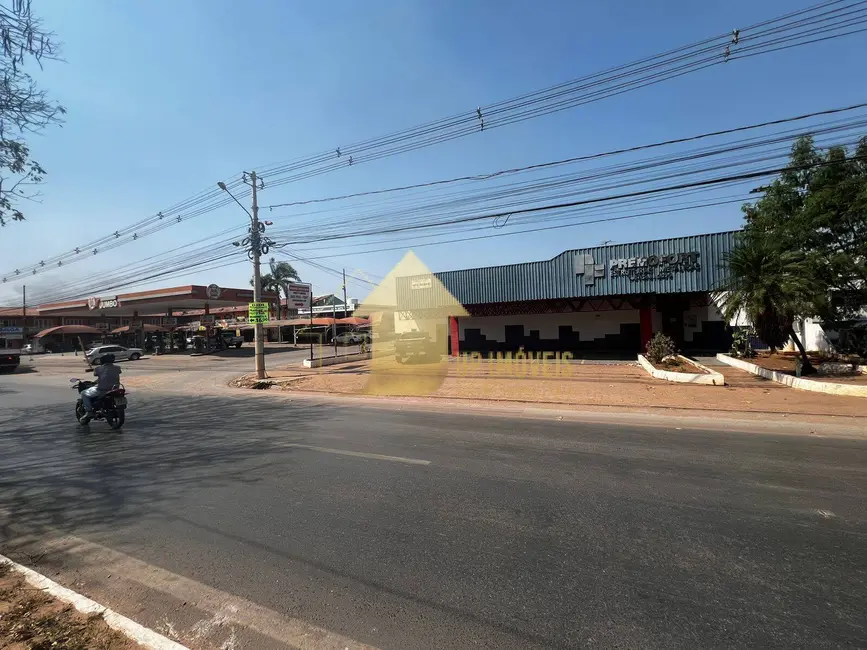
[32, 620]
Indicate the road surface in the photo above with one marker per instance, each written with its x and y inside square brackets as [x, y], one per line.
[264, 522]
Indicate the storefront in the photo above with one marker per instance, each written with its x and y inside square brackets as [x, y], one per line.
[588, 301]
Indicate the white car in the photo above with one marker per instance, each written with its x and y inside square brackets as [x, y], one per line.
[351, 338]
[95, 355]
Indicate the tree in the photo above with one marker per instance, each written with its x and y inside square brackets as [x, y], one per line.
[771, 287]
[24, 109]
[818, 207]
[282, 273]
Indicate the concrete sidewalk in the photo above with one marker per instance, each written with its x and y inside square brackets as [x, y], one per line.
[622, 386]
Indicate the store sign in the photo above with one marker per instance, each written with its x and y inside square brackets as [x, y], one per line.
[299, 295]
[102, 303]
[11, 333]
[213, 292]
[587, 267]
[417, 284]
[654, 267]
[258, 312]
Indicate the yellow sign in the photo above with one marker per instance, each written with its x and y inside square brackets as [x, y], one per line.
[258, 312]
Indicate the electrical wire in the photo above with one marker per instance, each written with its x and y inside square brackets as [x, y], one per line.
[812, 24]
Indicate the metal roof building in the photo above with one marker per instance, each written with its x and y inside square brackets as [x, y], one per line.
[659, 285]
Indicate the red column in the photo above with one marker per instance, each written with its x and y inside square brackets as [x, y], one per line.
[454, 333]
[646, 319]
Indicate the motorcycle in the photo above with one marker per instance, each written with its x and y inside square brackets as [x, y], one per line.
[111, 407]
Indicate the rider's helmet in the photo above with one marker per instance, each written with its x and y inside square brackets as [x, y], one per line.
[108, 358]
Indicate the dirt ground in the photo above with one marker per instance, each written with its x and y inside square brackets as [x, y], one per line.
[679, 365]
[785, 362]
[31, 620]
[571, 384]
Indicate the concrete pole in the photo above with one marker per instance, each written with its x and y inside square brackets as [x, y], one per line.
[259, 333]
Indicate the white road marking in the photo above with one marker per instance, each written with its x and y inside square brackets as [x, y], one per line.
[224, 607]
[138, 633]
[360, 454]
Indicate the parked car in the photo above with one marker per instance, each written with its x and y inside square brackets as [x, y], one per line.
[231, 340]
[351, 338]
[95, 355]
[417, 345]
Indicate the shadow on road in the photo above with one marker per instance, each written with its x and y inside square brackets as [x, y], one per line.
[55, 474]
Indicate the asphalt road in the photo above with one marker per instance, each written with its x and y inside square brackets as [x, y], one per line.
[403, 529]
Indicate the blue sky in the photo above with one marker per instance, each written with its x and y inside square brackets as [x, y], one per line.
[165, 98]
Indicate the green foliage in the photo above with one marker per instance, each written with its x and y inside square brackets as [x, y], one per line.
[818, 209]
[282, 273]
[741, 346]
[24, 109]
[659, 347]
[769, 285]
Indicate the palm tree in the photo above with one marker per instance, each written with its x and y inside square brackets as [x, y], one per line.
[771, 288]
[282, 273]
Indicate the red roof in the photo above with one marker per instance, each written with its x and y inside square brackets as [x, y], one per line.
[68, 329]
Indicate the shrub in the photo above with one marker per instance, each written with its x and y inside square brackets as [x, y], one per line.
[659, 347]
[741, 346]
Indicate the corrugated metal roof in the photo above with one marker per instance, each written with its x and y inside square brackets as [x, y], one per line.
[618, 269]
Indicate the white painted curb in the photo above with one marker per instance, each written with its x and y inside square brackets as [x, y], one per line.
[795, 382]
[331, 361]
[138, 633]
[713, 378]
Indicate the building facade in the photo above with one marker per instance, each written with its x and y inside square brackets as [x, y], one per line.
[602, 299]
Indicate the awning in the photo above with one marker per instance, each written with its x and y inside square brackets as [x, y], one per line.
[147, 327]
[353, 320]
[69, 329]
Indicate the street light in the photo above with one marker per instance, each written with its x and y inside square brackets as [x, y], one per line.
[258, 246]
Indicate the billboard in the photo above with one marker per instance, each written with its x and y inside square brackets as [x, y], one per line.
[299, 295]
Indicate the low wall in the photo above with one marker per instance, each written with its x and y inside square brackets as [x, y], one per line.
[800, 383]
[712, 378]
[331, 361]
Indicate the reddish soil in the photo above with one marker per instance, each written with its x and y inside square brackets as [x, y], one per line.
[31, 619]
[679, 365]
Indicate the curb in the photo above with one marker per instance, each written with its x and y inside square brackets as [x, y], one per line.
[320, 362]
[712, 378]
[138, 633]
[795, 382]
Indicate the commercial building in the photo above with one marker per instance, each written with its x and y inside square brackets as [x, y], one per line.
[586, 301]
[169, 307]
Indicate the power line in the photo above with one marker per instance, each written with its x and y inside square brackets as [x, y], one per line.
[815, 23]
[566, 161]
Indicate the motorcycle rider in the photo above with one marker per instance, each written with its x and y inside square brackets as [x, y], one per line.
[107, 377]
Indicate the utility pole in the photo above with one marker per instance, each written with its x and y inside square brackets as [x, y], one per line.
[344, 294]
[256, 245]
[259, 332]
[24, 315]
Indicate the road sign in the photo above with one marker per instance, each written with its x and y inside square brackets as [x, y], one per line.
[208, 319]
[258, 317]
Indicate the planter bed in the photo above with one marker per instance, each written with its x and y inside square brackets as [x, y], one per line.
[678, 368]
[854, 384]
